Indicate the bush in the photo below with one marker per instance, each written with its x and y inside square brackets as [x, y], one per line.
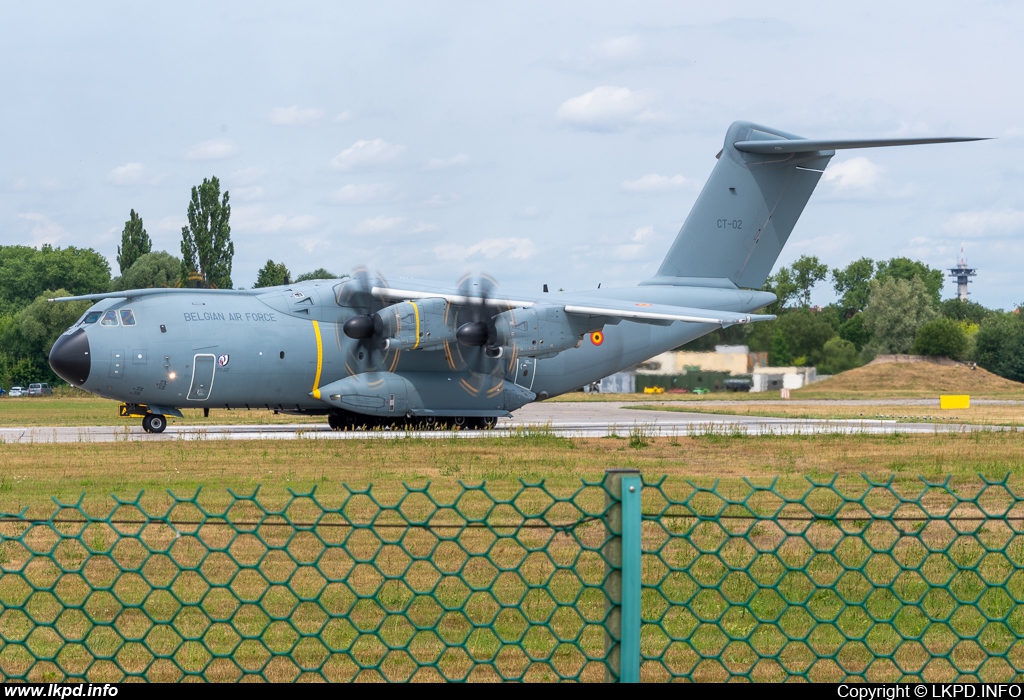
[838, 356]
[942, 337]
[999, 346]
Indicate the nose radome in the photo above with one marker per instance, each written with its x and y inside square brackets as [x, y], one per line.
[69, 357]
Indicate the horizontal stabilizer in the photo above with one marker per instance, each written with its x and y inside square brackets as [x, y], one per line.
[811, 145]
[653, 313]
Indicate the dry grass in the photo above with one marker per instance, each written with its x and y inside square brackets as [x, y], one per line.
[32, 474]
[978, 414]
[912, 380]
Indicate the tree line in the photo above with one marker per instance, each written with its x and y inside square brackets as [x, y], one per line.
[883, 307]
[29, 325]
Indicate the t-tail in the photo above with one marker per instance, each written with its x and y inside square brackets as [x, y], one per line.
[750, 204]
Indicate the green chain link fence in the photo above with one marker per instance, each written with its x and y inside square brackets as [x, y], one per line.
[622, 579]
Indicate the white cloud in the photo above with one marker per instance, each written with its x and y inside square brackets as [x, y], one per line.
[367, 153]
[441, 200]
[248, 176]
[531, 212]
[637, 246]
[255, 219]
[854, 175]
[311, 245]
[362, 193]
[295, 116]
[44, 230]
[423, 227]
[978, 223]
[128, 174]
[247, 194]
[657, 183]
[621, 49]
[452, 162]
[378, 224]
[167, 224]
[489, 248]
[215, 149]
[607, 108]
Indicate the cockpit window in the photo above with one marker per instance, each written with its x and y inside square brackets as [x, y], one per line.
[109, 318]
[92, 317]
[127, 317]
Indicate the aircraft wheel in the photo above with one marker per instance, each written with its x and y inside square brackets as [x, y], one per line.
[487, 423]
[154, 423]
[335, 421]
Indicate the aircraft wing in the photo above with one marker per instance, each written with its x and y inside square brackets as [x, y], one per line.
[153, 291]
[660, 313]
[392, 294]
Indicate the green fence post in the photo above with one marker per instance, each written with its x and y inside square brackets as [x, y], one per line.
[622, 555]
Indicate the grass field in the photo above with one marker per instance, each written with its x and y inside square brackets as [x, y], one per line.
[893, 601]
[1010, 414]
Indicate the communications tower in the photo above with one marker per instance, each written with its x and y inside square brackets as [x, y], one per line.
[962, 274]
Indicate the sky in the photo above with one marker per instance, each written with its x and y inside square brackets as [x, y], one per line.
[558, 143]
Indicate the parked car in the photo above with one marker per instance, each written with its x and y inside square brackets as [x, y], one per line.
[3, 392]
[16, 391]
[39, 389]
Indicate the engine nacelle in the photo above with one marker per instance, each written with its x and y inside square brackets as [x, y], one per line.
[542, 331]
[416, 325]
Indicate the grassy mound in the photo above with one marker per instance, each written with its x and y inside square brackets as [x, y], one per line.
[913, 379]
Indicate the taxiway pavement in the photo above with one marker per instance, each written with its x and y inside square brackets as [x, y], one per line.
[584, 419]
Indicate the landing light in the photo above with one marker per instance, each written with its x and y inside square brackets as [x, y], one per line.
[172, 375]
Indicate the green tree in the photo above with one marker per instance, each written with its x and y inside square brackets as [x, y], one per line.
[852, 329]
[805, 333]
[25, 273]
[964, 310]
[941, 337]
[783, 286]
[999, 345]
[206, 247]
[780, 355]
[838, 355]
[134, 242]
[808, 271]
[272, 275]
[318, 274]
[896, 309]
[907, 269]
[852, 284]
[159, 269]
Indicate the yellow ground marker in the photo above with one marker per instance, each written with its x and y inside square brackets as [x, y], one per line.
[955, 401]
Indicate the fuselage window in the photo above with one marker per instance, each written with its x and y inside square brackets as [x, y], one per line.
[127, 317]
[109, 318]
[92, 317]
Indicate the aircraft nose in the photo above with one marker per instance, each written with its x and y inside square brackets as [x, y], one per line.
[70, 359]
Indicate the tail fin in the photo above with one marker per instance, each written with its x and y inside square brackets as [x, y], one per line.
[750, 204]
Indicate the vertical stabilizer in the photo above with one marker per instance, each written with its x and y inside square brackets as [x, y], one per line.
[745, 213]
[750, 204]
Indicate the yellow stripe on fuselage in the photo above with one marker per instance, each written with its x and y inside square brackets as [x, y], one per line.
[319, 360]
[416, 310]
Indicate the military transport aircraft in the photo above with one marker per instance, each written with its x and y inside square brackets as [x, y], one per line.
[363, 351]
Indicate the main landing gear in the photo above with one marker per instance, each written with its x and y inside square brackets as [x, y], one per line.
[343, 420]
[154, 423]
